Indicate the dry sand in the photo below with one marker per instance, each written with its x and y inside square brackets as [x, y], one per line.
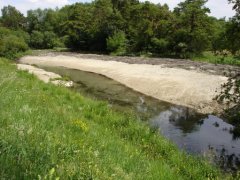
[175, 85]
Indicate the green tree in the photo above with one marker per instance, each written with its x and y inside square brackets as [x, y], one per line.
[232, 29]
[12, 18]
[193, 27]
[219, 40]
[77, 26]
[89, 25]
[148, 23]
[42, 20]
[233, 35]
[44, 25]
[37, 40]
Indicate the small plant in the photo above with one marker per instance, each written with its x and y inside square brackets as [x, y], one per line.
[222, 54]
[117, 43]
[63, 78]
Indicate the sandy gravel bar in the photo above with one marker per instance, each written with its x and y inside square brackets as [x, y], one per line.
[180, 86]
[43, 75]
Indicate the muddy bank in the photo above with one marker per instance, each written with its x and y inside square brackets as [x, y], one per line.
[190, 88]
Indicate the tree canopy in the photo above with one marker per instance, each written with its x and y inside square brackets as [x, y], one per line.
[128, 27]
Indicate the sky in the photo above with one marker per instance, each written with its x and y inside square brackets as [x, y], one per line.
[219, 8]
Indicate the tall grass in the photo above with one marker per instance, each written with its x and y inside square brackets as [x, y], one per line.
[209, 57]
[50, 132]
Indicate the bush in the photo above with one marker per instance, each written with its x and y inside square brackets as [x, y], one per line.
[117, 43]
[159, 46]
[44, 40]
[50, 39]
[22, 34]
[181, 50]
[12, 42]
[11, 45]
[4, 32]
[37, 40]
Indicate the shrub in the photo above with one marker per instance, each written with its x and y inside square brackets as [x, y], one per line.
[12, 42]
[4, 32]
[181, 50]
[22, 34]
[37, 40]
[44, 40]
[50, 40]
[11, 45]
[159, 46]
[117, 43]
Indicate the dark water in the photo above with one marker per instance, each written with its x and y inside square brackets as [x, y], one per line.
[196, 133]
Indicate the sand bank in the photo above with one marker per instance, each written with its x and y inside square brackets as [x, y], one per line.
[175, 85]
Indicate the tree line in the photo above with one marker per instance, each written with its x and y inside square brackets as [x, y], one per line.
[126, 27]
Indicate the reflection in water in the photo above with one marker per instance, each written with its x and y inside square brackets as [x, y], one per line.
[207, 135]
[236, 131]
[196, 133]
[182, 118]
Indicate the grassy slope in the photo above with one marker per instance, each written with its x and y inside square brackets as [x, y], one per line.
[211, 58]
[49, 131]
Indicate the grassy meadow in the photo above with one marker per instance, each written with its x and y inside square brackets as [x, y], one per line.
[50, 132]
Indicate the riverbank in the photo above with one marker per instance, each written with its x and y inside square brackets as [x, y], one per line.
[49, 132]
[187, 64]
[191, 86]
[45, 76]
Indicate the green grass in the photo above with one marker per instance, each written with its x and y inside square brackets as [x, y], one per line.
[209, 57]
[51, 132]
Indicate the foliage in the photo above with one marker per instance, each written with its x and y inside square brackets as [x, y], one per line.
[194, 28]
[117, 43]
[45, 40]
[159, 46]
[37, 39]
[148, 28]
[12, 18]
[12, 43]
[43, 26]
[236, 6]
[232, 29]
[233, 35]
[218, 57]
[77, 27]
[112, 26]
[41, 20]
[230, 96]
[52, 132]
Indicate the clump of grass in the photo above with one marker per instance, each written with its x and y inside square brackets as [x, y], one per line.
[50, 132]
[63, 78]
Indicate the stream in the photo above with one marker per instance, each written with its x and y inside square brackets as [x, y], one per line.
[195, 133]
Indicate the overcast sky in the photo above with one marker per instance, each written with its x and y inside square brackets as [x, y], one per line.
[219, 8]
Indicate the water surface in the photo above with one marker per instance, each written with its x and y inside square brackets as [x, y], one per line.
[196, 133]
